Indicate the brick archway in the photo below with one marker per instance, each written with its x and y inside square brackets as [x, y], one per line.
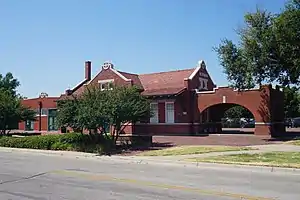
[265, 103]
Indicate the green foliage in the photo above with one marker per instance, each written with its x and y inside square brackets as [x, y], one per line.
[268, 49]
[97, 109]
[93, 109]
[68, 142]
[126, 105]
[238, 112]
[9, 83]
[291, 102]
[67, 115]
[11, 110]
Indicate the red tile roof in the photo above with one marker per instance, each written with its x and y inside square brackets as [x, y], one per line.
[134, 78]
[171, 82]
[161, 83]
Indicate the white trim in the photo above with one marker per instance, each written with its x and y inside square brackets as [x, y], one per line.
[221, 87]
[120, 75]
[163, 101]
[194, 73]
[166, 111]
[106, 81]
[196, 70]
[169, 124]
[101, 82]
[224, 99]
[263, 123]
[156, 122]
[80, 83]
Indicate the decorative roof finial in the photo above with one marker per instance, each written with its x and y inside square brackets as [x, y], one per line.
[201, 64]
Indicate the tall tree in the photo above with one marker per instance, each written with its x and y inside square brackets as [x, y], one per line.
[126, 105]
[11, 109]
[67, 115]
[96, 110]
[291, 102]
[268, 49]
[92, 110]
[9, 83]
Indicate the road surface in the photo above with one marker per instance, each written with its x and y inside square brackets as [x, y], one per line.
[34, 176]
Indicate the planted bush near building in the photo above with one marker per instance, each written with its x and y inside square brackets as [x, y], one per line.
[69, 142]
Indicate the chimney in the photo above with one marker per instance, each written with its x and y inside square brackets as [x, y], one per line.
[88, 70]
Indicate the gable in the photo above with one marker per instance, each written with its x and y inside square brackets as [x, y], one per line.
[201, 80]
[161, 83]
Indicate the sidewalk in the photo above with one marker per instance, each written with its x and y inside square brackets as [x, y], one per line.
[171, 160]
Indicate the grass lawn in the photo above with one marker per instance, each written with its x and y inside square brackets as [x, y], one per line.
[188, 150]
[294, 142]
[274, 159]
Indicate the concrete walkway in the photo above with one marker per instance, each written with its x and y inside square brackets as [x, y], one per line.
[168, 160]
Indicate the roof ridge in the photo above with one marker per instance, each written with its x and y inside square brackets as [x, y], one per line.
[127, 72]
[162, 72]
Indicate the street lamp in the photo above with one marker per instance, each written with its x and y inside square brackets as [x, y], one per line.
[42, 95]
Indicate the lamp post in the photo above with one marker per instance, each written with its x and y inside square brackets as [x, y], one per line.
[42, 95]
[40, 114]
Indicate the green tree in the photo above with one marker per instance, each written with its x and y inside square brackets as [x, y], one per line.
[126, 105]
[12, 111]
[268, 49]
[291, 102]
[9, 83]
[92, 110]
[67, 115]
[97, 109]
[237, 112]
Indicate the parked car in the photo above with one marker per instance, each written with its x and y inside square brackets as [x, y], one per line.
[296, 122]
[250, 124]
[288, 122]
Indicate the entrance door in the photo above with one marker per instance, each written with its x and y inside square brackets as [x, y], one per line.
[29, 125]
[52, 120]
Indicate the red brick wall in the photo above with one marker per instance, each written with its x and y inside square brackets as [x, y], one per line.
[161, 129]
[194, 83]
[161, 112]
[48, 103]
[258, 101]
[109, 74]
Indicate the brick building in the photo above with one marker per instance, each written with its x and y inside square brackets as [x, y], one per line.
[45, 108]
[186, 101]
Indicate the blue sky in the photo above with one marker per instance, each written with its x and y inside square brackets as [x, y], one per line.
[45, 43]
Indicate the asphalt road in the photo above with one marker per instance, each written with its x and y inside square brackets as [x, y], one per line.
[33, 176]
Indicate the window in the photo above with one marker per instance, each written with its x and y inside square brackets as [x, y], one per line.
[106, 84]
[170, 112]
[44, 112]
[154, 109]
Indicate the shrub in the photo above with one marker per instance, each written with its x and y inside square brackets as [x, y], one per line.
[69, 142]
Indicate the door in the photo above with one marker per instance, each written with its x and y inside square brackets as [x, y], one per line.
[52, 120]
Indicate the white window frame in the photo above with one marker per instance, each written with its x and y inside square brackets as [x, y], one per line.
[154, 119]
[102, 82]
[44, 112]
[167, 120]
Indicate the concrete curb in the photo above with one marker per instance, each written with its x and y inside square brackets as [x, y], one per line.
[153, 161]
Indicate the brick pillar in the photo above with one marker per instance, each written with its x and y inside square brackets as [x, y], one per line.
[270, 120]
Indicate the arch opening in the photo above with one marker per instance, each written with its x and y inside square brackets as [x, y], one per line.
[228, 118]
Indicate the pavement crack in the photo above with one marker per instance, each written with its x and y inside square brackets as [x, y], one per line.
[23, 178]
[23, 195]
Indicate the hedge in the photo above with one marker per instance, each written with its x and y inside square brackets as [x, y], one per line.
[68, 141]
